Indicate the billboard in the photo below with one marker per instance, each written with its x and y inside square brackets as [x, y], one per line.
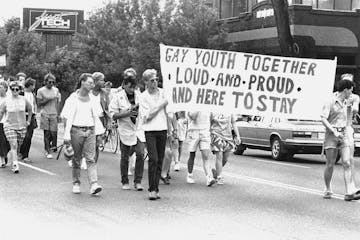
[52, 20]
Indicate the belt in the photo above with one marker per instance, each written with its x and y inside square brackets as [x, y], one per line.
[84, 128]
[340, 129]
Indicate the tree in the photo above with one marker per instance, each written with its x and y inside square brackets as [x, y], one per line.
[26, 52]
[286, 40]
[12, 25]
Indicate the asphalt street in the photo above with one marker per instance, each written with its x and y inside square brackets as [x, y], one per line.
[261, 199]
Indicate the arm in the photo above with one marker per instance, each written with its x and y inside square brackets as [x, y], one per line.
[2, 110]
[42, 100]
[236, 130]
[29, 110]
[153, 112]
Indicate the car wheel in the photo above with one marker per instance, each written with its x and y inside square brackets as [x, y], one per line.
[239, 149]
[277, 150]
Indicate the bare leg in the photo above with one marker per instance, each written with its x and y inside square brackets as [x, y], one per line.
[329, 169]
[348, 177]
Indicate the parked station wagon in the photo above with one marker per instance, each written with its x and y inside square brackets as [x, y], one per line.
[283, 137]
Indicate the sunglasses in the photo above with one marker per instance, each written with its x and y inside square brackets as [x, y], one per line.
[52, 82]
[156, 79]
[15, 89]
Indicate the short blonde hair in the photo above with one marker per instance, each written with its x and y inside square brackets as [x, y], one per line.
[149, 74]
[98, 76]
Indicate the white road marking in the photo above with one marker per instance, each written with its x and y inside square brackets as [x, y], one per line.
[37, 169]
[284, 164]
[274, 184]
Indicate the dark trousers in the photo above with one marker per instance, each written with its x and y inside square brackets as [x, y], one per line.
[155, 142]
[4, 144]
[50, 140]
[127, 151]
[25, 147]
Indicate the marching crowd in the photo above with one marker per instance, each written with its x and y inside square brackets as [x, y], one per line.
[145, 124]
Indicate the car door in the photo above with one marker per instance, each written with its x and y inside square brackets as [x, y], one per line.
[247, 130]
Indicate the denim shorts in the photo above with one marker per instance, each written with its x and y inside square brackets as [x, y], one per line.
[338, 142]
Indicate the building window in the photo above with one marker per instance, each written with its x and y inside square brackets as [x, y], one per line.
[232, 8]
[344, 5]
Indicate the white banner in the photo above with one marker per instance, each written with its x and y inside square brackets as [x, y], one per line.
[2, 60]
[245, 83]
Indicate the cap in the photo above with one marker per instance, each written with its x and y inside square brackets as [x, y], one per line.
[347, 76]
[130, 72]
[68, 152]
[21, 74]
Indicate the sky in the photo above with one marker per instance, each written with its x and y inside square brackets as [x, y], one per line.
[13, 8]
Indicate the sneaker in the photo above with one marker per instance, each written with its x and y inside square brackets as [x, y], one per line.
[177, 167]
[210, 181]
[190, 179]
[157, 195]
[152, 195]
[76, 188]
[3, 165]
[2, 162]
[126, 186]
[27, 160]
[165, 180]
[95, 188]
[220, 180]
[327, 194]
[138, 187]
[49, 156]
[15, 168]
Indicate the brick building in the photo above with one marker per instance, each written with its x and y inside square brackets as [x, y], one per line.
[321, 29]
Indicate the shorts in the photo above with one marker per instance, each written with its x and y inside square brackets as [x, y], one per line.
[15, 135]
[49, 122]
[219, 144]
[333, 142]
[201, 138]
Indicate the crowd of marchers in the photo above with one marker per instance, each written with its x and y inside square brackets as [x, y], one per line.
[147, 128]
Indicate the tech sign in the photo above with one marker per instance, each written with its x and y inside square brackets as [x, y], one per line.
[42, 20]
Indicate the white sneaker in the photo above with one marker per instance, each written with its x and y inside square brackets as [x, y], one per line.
[126, 186]
[190, 179]
[220, 180]
[95, 188]
[49, 156]
[76, 188]
[177, 167]
[15, 168]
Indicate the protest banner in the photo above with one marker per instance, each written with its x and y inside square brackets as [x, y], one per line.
[245, 83]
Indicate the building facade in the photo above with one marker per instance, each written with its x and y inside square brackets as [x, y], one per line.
[57, 26]
[321, 29]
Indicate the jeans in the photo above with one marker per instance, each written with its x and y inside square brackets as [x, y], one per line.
[50, 140]
[127, 151]
[4, 144]
[83, 142]
[155, 142]
[25, 147]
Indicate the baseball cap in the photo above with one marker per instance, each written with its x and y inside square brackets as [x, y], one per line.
[347, 76]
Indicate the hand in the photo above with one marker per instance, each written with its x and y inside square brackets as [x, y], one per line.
[27, 123]
[237, 140]
[337, 134]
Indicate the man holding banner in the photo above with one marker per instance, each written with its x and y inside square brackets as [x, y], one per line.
[337, 138]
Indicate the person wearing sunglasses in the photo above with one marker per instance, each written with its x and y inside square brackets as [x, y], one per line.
[48, 99]
[14, 108]
[157, 125]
